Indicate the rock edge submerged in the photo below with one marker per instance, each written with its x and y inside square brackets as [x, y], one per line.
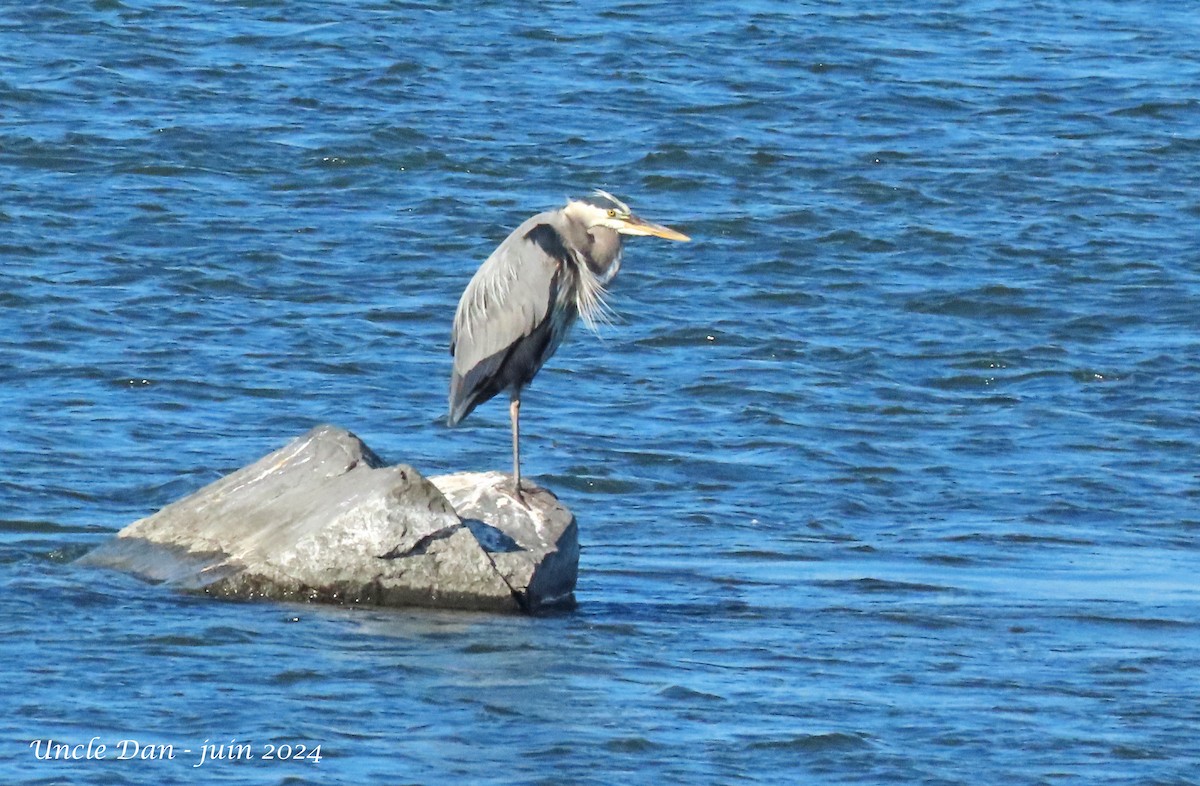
[323, 519]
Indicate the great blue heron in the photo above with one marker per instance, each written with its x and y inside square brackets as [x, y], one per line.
[522, 301]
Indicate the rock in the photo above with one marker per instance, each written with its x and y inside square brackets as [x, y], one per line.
[534, 545]
[323, 519]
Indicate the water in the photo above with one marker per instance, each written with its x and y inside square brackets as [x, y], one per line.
[888, 477]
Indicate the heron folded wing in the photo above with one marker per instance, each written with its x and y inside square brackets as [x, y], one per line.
[512, 367]
[509, 298]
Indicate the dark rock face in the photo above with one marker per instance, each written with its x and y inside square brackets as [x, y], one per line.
[322, 519]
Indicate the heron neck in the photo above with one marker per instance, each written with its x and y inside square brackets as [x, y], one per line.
[603, 255]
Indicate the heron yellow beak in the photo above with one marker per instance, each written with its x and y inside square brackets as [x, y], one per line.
[637, 226]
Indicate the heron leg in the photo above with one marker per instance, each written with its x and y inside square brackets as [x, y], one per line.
[514, 411]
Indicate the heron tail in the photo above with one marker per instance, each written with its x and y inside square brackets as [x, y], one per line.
[460, 404]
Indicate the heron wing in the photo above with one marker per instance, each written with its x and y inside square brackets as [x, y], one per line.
[503, 329]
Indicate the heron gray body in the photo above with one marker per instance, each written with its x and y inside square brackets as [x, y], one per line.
[523, 300]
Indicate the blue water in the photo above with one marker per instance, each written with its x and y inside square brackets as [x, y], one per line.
[889, 476]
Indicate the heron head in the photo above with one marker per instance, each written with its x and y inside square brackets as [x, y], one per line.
[605, 210]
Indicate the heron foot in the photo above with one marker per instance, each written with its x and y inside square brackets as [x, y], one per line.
[520, 493]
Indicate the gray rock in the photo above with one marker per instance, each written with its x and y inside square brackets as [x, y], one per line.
[534, 544]
[323, 519]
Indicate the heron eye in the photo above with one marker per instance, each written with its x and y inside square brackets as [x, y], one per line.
[612, 214]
